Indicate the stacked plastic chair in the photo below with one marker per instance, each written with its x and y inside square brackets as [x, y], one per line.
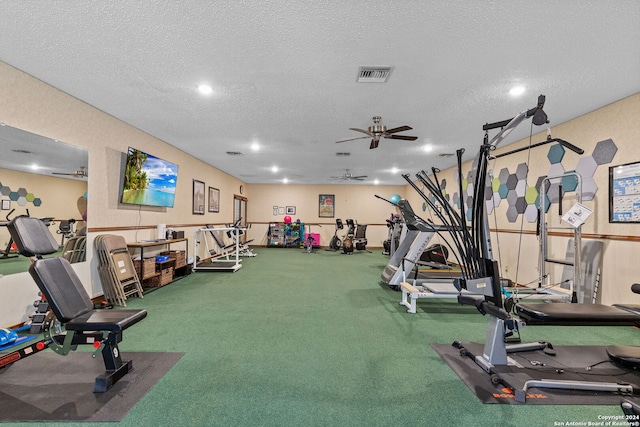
[117, 273]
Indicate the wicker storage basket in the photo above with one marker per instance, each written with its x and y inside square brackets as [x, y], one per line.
[149, 267]
[178, 256]
[164, 277]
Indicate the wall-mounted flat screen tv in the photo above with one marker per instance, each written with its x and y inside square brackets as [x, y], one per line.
[148, 180]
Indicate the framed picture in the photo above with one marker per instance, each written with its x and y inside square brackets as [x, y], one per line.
[6, 205]
[624, 193]
[214, 200]
[326, 206]
[291, 210]
[198, 197]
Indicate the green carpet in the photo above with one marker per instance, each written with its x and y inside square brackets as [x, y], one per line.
[297, 339]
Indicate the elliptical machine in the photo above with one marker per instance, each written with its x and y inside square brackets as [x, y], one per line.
[394, 225]
[335, 242]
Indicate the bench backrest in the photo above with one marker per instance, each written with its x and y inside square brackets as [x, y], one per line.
[55, 277]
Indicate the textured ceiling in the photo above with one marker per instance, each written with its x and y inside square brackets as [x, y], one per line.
[284, 73]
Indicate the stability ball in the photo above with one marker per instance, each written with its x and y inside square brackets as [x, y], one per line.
[287, 219]
[395, 198]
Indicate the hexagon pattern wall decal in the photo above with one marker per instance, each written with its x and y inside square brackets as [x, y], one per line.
[604, 151]
[521, 187]
[522, 170]
[530, 195]
[554, 192]
[586, 166]
[504, 174]
[531, 213]
[555, 170]
[20, 196]
[555, 154]
[495, 184]
[525, 200]
[512, 214]
[569, 182]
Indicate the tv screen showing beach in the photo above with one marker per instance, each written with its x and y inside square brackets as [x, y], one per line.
[149, 180]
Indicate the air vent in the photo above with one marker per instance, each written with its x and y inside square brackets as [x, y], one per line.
[234, 153]
[373, 74]
[343, 154]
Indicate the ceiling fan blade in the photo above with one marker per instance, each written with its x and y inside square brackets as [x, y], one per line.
[359, 178]
[374, 143]
[352, 139]
[404, 137]
[362, 130]
[398, 129]
[60, 173]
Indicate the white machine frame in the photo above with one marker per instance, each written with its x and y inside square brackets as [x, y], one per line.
[222, 262]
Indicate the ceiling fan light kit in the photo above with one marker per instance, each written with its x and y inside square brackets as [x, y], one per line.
[348, 176]
[378, 130]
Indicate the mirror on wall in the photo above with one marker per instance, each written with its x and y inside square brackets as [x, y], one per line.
[44, 178]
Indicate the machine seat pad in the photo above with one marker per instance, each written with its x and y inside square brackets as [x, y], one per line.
[575, 314]
[106, 320]
[624, 355]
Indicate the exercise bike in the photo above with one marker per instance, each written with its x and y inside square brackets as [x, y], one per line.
[310, 242]
[335, 242]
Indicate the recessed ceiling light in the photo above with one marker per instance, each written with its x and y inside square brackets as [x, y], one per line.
[205, 89]
[35, 167]
[376, 182]
[517, 90]
[394, 170]
[274, 169]
[255, 146]
[285, 180]
[428, 148]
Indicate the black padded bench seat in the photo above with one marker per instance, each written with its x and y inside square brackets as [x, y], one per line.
[106, 320]
[576, 314]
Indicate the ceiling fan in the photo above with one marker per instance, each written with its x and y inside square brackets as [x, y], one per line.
[378, 130]
[349, 177]
[81, 173]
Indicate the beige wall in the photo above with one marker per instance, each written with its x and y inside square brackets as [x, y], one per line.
[357, 202]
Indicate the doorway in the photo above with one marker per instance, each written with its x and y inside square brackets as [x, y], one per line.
[240, 213]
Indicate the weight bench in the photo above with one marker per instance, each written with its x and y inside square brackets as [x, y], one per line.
[71, 304]
[411, 293]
